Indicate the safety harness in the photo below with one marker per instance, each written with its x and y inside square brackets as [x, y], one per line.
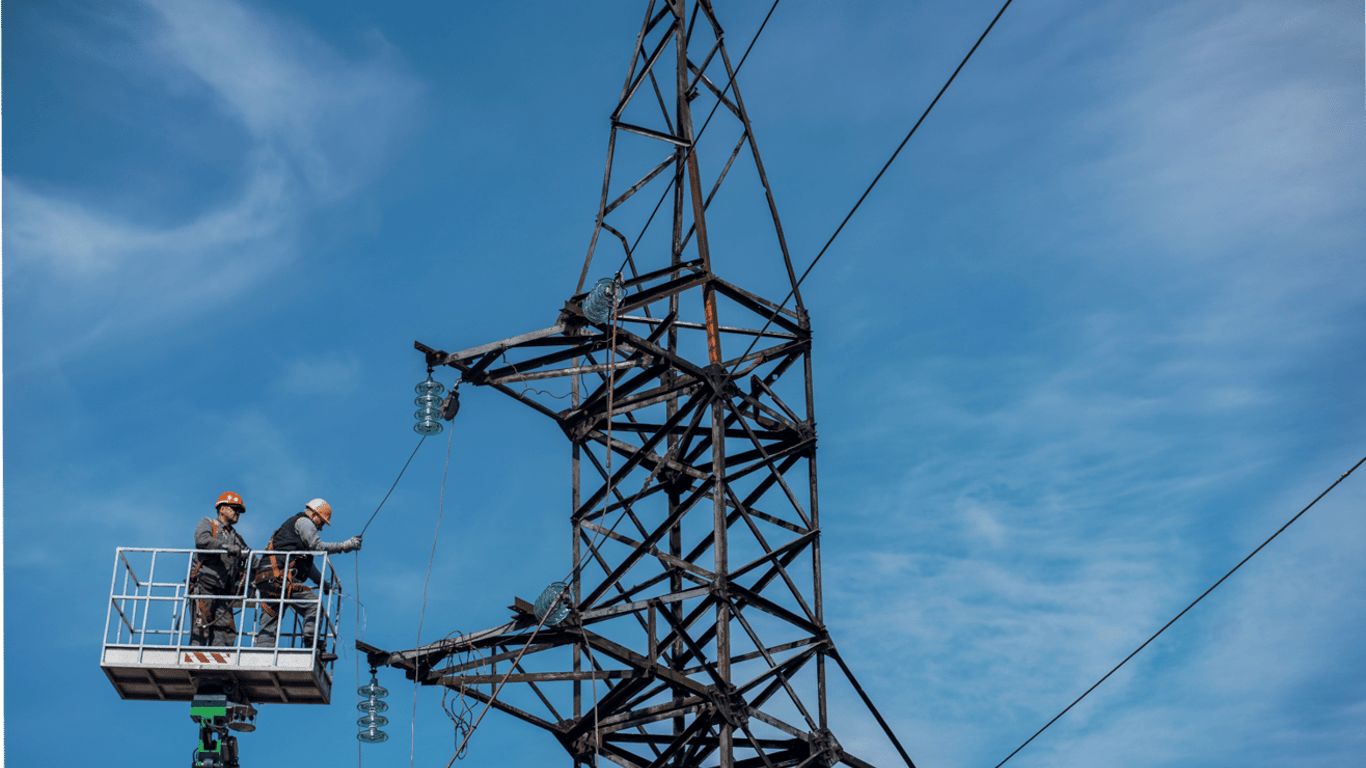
[271, 579]
[202, 609]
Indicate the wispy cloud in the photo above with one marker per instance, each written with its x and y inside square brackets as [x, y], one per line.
[1054, 504]
[319, 126]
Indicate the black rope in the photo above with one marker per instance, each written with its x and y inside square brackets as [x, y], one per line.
[876, 179]
[1183, 612]
[392, 487]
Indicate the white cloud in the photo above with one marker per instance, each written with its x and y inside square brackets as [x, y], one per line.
[319, 127]
[1054, 505]
[331, 117]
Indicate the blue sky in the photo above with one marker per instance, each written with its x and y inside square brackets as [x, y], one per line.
[1091, 340]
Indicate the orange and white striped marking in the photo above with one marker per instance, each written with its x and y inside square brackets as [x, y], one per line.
[205, 658]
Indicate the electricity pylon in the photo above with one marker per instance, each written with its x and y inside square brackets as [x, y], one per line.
[694, 633]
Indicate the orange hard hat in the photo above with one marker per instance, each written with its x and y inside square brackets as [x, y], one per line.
[322, 508]
[229, 497]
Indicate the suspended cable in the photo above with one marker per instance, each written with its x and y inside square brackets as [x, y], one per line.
[1183, 611]
[395, 485]
[460, 722]
[550, 609]
[359, 760]
[494, 696]
[593, 667]
[731, 81]
[876, 179]
[440, 510]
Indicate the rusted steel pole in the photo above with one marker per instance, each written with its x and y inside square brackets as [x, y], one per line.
[726, 751]
[722, 568]
[695, 186]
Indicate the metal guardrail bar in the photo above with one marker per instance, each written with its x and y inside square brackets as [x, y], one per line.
[141, 629]
[129, 566]
[151, 576]
[126, 623]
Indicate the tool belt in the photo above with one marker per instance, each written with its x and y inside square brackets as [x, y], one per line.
[235, 576]
[221, 592]
[213, 610]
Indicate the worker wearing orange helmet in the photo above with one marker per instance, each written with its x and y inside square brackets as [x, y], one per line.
[274, 577]
[219, 574]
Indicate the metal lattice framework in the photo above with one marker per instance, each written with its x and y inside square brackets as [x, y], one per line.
[696, 634]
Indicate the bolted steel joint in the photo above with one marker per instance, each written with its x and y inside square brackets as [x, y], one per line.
[825, 748]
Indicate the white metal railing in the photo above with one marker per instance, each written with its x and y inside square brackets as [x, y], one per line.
[150, 605]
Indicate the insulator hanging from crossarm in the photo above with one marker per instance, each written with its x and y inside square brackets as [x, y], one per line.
[430, 405]
[371, 705]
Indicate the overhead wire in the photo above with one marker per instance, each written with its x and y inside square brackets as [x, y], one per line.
[460, 722]
[550, 609]
[395, 485]
[876, 179]
[606, 504]
[607, 498]
[440, 511]
[1183, 611]
[472, 727]
[359, 605]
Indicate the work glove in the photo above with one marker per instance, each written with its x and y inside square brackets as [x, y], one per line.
[352, 544]
[234, 548]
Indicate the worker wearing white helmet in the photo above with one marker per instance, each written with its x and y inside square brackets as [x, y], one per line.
[218, 575]
[274, 578]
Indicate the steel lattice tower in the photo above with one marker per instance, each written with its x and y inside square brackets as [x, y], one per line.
[696, 607]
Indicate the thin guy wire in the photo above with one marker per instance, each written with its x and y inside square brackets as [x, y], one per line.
[606, 502]
[459, 723]
[551, 608]
[494, 696]
[359, 760]
[730, 81]
[877, 178]
[1183, 611]
[440, 509]
[359, 744]
[527, 388]
[592, 665]
[392, 487]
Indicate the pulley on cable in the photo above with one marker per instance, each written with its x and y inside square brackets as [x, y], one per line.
[371, 705]
[432, 409]
[603, 300]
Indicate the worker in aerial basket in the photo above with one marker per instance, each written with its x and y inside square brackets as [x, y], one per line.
[220, 575]
[278, 575]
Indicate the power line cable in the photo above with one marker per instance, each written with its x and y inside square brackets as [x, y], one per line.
[359, 758]
[551, 608]
[1183, 612]
[440, 510]
[731, 80]
[876, 179]
[395, 485]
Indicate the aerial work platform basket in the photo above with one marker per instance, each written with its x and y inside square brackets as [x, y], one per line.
[148, 655]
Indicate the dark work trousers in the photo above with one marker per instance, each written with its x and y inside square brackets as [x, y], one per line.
[211, 620]
[269, 590]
